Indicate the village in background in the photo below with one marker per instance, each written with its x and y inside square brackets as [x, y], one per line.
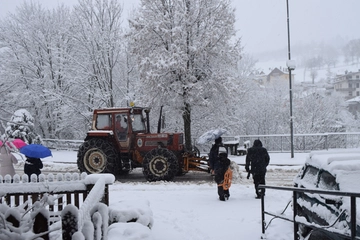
[322, 69]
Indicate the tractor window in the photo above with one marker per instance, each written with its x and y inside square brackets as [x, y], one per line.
[103, 121]
[121, 126]
[138, 123]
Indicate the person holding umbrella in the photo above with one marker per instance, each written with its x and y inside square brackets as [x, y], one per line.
[33, 153]
[7, 159]
[214, 155]
[32, 166]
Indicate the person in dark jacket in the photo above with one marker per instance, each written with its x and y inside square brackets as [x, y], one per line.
[32, 165]
[214, 155]
[220, 169]
[257, 159]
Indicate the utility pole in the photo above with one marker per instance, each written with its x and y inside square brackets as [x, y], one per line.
[291, 66]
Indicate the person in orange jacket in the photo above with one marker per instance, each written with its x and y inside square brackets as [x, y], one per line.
[223, 174]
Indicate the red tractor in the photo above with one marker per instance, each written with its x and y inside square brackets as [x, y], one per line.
[120, 140]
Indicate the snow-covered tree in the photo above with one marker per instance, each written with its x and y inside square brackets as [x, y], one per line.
[63, 65]
[186, 52]
[98, 37]
[316, 112]
[21, 125]
[36, 57]
[352, 51]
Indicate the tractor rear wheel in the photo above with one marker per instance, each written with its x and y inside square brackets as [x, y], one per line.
[97, 156]
[160, 164]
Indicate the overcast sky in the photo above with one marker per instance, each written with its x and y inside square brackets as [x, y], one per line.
[262, 24]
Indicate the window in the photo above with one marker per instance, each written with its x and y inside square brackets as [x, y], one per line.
[357, 85]
[350, 85]
[350, 94]
[138, 123]
[310, 175]
[103, 121]
[121, 126]
[327, 181]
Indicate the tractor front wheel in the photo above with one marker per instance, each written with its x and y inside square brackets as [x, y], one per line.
[160, 164]
[97, 156]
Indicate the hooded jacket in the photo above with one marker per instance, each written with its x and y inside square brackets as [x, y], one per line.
[7, 160]
[32, 165]
[257, 158]
[214, 154]
[223, 165]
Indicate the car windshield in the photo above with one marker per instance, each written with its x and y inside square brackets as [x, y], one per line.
[327, 181]
[310, 176]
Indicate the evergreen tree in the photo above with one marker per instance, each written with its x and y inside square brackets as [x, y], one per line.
[21, 126]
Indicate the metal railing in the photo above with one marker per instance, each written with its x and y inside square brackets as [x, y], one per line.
[302, 142]
[296, 223]
[273, 143]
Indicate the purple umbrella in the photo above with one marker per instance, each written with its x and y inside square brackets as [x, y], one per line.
[35, 151]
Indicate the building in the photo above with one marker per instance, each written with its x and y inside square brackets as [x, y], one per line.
[348, 85]
[276, 77]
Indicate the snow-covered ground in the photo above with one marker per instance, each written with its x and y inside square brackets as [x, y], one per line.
[191, 209]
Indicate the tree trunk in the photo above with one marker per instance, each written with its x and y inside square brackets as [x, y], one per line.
[187, 125]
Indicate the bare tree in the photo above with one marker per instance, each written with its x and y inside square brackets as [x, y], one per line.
[98, 36]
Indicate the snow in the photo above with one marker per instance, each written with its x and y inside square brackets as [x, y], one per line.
[191, 210]
[211, 135]
[302, 74]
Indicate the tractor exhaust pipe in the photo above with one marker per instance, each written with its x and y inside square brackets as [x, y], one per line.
[147, 111]
[159, 122]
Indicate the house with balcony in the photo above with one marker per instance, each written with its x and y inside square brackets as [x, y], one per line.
[348, 84]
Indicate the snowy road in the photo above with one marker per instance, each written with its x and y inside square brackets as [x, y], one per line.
[279, 176]
[281, 170]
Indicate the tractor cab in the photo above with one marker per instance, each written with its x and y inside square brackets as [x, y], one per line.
[122, 124]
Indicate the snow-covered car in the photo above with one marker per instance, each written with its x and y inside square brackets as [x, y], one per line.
[337, 170]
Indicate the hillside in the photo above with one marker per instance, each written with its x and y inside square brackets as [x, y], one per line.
[303, 75]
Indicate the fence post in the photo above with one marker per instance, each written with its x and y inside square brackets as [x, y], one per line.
[69, 221]
[296, 225]
[353, 217]
[262, 214]
[326, 142]
[13, 220]
[41, 225]
[304, 143]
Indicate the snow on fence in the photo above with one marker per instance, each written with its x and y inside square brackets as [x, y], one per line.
[48, 200]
